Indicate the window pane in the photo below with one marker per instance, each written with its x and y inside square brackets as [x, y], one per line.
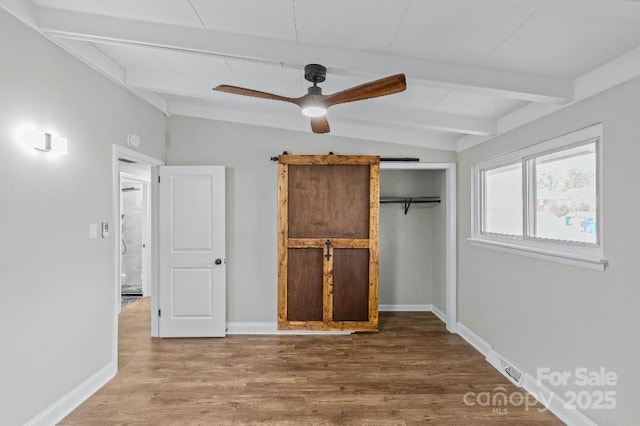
[566, 195]
[503, 200]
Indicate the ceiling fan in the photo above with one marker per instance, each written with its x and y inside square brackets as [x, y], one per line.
[314, 104]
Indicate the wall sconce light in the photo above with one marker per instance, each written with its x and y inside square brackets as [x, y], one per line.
[44, 141]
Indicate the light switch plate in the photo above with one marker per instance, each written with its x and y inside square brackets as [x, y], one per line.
[105, 229]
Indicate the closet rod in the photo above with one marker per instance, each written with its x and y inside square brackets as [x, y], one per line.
[407, 201]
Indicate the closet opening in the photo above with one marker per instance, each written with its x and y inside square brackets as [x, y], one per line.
[417, 239]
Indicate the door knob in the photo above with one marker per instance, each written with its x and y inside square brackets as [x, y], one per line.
[218, 262]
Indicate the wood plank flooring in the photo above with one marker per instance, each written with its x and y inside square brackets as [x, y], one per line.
[412, 372]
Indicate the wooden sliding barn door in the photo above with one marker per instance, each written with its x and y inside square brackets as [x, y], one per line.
[328, 242]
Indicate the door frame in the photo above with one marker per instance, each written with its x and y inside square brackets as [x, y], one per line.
[450, 232]
[120, 152]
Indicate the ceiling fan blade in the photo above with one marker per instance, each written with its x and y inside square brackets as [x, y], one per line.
[253, 93]
[320, 124]
[373, 89]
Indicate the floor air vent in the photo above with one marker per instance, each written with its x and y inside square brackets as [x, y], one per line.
[508, 370]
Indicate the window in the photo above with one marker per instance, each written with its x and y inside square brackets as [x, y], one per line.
[544, 200]
[503, 199]
[566, 196]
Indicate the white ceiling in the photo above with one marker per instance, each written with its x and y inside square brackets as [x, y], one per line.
[471, 65]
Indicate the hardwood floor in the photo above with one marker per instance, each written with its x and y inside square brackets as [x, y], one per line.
[412, 372]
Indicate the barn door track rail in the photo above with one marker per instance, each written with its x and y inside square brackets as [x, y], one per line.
[382, 159]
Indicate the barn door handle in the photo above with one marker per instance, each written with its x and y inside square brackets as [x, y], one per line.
[328, 244]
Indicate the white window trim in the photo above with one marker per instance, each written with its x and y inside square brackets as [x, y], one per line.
[585, 255]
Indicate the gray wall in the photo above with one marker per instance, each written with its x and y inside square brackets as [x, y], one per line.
[411, 247]
[252, 195]
[543, 314]
[57, 291]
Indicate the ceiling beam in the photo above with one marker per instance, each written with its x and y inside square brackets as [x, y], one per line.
[416, 118]
[371, 131]
[95, 58]
[26, 11]
[287, 53]
[365, 112]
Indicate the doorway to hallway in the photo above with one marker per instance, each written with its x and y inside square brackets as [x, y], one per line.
[134, 234]
[134, 241]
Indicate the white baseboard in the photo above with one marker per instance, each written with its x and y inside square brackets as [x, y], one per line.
[405, 308]
[239, 328]
[252, 327]
[553, 402]
[437, 312]
[268, 328]
[473, 339]
[65, 405]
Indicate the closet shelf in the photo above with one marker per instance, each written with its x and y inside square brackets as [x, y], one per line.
[407, 201]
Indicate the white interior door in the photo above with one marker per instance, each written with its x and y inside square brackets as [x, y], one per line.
[192, 251]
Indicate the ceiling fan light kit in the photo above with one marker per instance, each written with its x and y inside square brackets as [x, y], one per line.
[314, 111]
[314, 104]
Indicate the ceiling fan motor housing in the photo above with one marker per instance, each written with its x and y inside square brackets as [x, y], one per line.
[315, 73]
[314, 90]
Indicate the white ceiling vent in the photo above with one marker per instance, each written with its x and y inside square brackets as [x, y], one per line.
[508, 370]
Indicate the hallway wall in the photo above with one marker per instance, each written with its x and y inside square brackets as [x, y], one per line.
[57, 307]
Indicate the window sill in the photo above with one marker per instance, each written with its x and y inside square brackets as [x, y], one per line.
[582, 261]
